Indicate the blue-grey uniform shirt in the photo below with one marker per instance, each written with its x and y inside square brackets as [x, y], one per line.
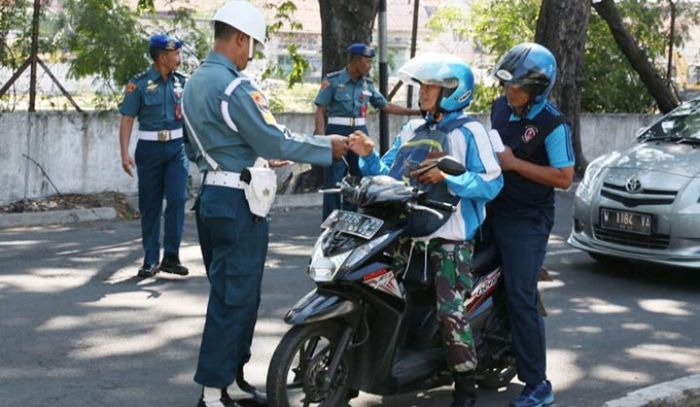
[155, 102]
[343, 97]
[227, 117]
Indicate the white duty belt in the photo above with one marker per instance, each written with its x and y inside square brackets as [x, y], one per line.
[347, 121]
[224, 179]
[160, 135]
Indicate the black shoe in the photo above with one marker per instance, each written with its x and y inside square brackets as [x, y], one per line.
[148, 270]
[225, 400]
[465, 390]
[245, 394]
[171, 264]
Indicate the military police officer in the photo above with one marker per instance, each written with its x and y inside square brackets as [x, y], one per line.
[343, 99]
[154, 97]
[228, 120]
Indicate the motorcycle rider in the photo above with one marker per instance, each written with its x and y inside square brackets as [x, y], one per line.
[446, 89]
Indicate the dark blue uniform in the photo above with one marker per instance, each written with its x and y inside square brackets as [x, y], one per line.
[229, 122]
[161, 163]
[345, 100]
[522, 218]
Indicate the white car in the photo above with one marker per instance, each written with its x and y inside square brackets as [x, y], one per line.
[643, 203]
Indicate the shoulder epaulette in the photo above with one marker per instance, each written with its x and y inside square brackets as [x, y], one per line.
[139, 76]
[332, 74]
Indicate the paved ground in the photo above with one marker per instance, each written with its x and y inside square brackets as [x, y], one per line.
[78, 329]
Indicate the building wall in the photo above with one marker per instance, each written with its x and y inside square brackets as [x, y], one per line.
[80, 151]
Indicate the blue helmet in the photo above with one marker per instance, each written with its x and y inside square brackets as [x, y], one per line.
[529, 65]
[448, 71]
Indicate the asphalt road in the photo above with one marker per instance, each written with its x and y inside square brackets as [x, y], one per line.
[77, 328]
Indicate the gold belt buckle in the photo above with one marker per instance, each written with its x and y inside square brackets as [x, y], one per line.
[352, 122]
[163, 135]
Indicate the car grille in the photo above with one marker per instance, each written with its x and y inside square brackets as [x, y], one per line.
[618, 193]
[653, 241]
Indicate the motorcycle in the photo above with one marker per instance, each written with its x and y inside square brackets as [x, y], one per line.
[365, 327]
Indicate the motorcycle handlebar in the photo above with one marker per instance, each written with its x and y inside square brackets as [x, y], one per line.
[329, 191]
[417, 207]
[440, 205]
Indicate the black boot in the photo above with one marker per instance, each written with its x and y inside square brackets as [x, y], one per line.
[465, 390]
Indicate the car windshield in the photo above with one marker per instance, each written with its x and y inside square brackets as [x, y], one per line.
[682, 123]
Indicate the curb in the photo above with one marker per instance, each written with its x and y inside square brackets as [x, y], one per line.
[9, 220]
[283, 203]
[683, 392]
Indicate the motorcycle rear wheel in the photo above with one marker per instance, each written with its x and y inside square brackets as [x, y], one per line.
[300, 365]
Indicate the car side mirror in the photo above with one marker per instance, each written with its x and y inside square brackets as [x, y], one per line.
[450, 165]
[639, 132]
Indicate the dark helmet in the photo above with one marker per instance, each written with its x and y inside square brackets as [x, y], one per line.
[531, 66]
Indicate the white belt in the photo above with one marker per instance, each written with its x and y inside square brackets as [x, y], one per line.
[160, 135]
[347, 121]
[224, 179]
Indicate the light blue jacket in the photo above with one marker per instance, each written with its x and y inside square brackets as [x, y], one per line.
[481, 183]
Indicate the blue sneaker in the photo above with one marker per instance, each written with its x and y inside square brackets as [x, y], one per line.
[535, 395]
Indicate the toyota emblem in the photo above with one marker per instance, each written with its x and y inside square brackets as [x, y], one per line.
[633, 185]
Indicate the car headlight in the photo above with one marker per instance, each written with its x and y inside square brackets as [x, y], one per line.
[592, 171]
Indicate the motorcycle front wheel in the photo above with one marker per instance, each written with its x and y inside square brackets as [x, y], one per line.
[298, 375]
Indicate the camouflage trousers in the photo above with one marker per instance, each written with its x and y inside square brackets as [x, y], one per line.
[450, 263]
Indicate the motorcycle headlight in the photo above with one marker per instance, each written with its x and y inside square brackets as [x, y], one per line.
[322, 268]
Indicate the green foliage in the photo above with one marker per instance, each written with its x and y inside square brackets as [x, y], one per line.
[610, 83]
[484, 96]
[498, 25]
[284, 15]
[105, 39]
[446, 17]
[299, 67]
[16, 31]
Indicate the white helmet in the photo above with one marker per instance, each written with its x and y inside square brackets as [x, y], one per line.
[245, 17]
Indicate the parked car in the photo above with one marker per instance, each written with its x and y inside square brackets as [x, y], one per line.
[643, 203]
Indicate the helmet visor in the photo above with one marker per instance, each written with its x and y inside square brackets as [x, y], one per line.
[430, 69]
[518, 69]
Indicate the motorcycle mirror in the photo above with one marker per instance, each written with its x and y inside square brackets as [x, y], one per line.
[450, 165]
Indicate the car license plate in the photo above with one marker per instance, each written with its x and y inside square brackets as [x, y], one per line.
[625, 220]
[353, 223]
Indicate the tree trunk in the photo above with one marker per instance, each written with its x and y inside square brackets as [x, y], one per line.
[343, 23]
[665, 99]
[562, 27]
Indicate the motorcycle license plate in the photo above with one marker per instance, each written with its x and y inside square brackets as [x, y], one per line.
[627, 221]
[353, 223]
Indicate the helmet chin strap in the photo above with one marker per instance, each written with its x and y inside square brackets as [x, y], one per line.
[251, 49]
[429, 116]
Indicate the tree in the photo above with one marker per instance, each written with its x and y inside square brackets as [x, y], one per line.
[639, 60]
[342, 23]
[561, 28]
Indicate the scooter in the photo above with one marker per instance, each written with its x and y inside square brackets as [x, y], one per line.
[365, 327]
